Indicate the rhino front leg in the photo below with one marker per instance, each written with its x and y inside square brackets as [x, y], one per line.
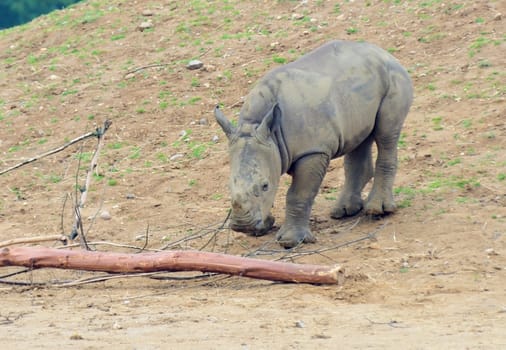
[358, 171]
[307, 175]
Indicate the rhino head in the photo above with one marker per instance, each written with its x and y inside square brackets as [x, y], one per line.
[255, 164]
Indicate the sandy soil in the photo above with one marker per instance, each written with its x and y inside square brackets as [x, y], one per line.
[430, 276]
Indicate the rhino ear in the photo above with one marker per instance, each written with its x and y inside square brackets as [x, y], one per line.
[266, 127]
[225, 124]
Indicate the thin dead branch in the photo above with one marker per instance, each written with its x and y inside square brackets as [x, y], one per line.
[95, 133]
[78, 223]
[37, 239]
[138, 69]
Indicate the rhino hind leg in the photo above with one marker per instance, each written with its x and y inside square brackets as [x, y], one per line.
[381, 200]
[390, 118]
[358, 170]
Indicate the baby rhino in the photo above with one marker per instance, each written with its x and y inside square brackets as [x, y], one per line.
[334, 101]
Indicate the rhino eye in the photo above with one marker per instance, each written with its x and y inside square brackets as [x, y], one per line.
[265, 187]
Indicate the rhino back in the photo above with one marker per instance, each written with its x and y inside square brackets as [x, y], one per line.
[329, 97]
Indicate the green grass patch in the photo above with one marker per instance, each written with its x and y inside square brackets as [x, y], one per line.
[116, 37]
[135, 153]
[278, 59]
[437, 123]
[452, 182]
[351, 30]
[453, 162]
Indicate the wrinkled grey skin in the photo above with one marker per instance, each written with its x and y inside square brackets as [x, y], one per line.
[334, 101]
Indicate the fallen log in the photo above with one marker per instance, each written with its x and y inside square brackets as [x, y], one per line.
[170, 261]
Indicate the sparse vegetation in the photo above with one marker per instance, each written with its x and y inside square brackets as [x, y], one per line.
[163, 171]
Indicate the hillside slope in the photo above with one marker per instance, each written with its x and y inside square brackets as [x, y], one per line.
[432, 277]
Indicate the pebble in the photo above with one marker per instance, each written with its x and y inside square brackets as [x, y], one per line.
[215, 138]
[300, 324]
[194, 64]
[491, 251]
[145, 25]
[130, 196]
[147, 13]
[497, 16]
[176, 156]
[203, 121]
[105, 215]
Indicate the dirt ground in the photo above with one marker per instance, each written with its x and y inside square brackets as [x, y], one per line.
[432, 275]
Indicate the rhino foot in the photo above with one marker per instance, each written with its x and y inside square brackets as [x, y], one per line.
[289, 237]
[377, 207]
[347, 207]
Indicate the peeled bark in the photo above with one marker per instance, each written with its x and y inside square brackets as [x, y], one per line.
[40, 257]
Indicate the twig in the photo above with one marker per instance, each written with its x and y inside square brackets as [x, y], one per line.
[119, 245]
[138, 69]
[213, 237]
[59, 149]
[152, 275]
[393, 323]
[146, 239]
[36, 239]
[202, 233]
[15, 273]
[78, 224]
[95, 279]
[11, 319]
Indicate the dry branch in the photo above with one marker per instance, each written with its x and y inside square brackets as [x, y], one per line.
[98, 132]
[78, 224]
[40, 257]
[37, 239]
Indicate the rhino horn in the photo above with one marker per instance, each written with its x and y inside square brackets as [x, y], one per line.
[265, 128]
[225, 124]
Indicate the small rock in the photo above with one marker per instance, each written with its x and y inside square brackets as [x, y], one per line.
[491, 251]
[116, 325]
[176, 156]
[215, 138]
[105, 215]
[209, 68]
[498, 16]
[300, 324]
[194, 64]
[130, 196]
[203, 121]
[147, 13]
[297, 16]
[145, 25]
